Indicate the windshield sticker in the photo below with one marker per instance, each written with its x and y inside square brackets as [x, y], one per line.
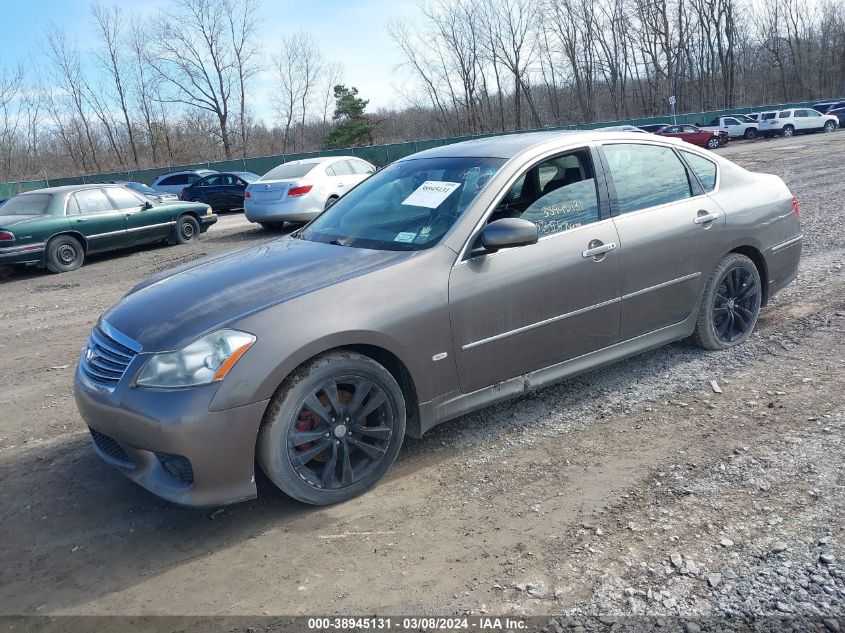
[405, 237]
[431, 194]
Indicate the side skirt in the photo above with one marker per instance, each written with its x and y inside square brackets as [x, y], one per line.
[455, 404]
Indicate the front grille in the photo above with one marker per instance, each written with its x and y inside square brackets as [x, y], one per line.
[105, 359]
[111, 448]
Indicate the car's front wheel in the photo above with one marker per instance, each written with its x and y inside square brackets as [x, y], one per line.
[730, 305]
[63, 254]
[333, 428]
[187, 230]
[713, 142]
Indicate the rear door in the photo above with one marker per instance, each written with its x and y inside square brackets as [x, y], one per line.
[92, 213]
[231, 191]
[526, 308]
[813, 119]
[669, 231]
[344, 177]
[142, 224]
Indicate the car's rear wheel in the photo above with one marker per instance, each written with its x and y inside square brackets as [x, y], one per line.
[713, 142]
[829, 127]
[787, 131]
[63, 254]
[187, 230]
[333, 428]
[730, 305]
[750, 134]
[331, 200]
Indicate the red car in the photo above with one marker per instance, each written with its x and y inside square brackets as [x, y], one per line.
[695, 135]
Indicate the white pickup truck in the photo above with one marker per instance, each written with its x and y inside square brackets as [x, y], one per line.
[736, 125]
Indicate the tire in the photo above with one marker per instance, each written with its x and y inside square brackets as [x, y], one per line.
[787, 131]
[829, 127]
[187, 230]
[730, 305]
[302, 407]
[63, 254]
[330, 201]
[750, 134]
[272, 226]
[713, 143]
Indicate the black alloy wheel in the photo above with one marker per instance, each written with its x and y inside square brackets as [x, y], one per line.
[736, 305]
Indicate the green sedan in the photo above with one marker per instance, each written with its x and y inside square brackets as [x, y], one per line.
[57, 227]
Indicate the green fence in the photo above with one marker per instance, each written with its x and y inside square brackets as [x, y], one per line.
[377, 154]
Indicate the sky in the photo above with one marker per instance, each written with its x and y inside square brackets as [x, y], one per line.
[352, 32]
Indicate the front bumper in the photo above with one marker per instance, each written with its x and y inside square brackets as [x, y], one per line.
[144, 432]
[24, 254]
[206, 221]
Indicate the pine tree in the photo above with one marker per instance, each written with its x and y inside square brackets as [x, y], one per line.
[354, 129]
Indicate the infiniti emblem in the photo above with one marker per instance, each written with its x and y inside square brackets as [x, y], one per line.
[340, 430]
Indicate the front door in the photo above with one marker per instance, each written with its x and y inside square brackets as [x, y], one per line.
[142, 224]
[670, 231]
[526, 308]
[92, 213]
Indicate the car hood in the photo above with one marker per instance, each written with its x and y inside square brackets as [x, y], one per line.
[175, 307]
[9, 220]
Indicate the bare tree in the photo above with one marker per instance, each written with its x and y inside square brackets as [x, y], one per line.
[298, 67]
[242, 19]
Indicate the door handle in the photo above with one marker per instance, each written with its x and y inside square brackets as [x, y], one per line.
[340, 184]
[81, 219]
[703, 217]
[601, 249]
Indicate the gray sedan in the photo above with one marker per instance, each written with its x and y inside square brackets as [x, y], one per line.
[454, 278]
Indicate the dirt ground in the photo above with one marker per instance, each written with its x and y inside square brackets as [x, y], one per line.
[633, 489]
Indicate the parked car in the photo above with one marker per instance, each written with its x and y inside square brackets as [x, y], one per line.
[456, 277]
[222, 192]
[826, 106]
[695, 135]
[839, 113]
[59, 227]
[175, 181]
[652, 128]
[299, 190]
[753, 116]
[145, 190]
[796, 121]
[734, 126]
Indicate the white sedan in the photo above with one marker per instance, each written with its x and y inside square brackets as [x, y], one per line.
[300, 190]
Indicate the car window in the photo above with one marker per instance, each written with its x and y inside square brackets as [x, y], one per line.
[192, 178]
[703, 168]
[27, 204]
[714, 122]
[93, 201]
[768, 116]
[330, 171]
[123, 198]
[409, 205]
[289, 170]
[360, 167]
[730, 121]
[178, 179]
[568, 199]
[812, 113]
[646, 176]
[209, 181]
[671, 129]
[801, 114]
[342, 168]
[689, 129]
[785, 114]
[228, 180]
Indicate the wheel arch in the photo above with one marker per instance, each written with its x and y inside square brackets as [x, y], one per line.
[74, 234]
[756, 256]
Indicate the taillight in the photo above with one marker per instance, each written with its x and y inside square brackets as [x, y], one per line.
[795, 206]
[246, 194]
[300, 191]
[5, 236]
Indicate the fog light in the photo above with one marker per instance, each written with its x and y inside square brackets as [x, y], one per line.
[177, 467]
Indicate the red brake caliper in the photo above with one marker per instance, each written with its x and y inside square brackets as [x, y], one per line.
[308, 421]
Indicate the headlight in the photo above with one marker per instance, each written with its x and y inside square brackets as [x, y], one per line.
[206, 360]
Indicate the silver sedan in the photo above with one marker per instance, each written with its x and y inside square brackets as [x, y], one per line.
[451, 279]
[298, 191]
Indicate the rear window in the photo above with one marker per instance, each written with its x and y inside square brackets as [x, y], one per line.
[289, 170]
[703, 168]
[179, 179]
[27, 204]
[646, 176]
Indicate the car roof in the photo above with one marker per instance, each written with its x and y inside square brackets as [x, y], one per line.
[71, 188]
[504, 146]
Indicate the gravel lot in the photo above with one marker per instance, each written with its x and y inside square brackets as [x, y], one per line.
[637, 489]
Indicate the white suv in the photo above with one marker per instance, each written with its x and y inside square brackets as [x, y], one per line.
[788, 122]
[175, 181]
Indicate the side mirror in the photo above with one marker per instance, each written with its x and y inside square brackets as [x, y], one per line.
[147, 205]
[508, 233]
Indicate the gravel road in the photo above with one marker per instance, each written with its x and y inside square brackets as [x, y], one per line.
[636, 489]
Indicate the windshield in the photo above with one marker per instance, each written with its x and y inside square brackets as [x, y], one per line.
[407, 206]
[27, 204]
[289, 170]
